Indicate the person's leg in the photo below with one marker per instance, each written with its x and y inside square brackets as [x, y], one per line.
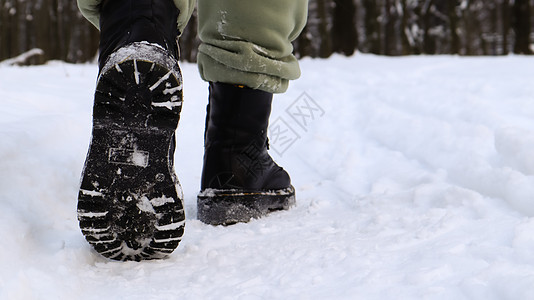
[130, 203]
[246, 55]
[91, 11]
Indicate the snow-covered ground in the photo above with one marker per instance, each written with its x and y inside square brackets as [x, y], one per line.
[414, 179]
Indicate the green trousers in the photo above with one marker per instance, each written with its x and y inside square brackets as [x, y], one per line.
[244, 42]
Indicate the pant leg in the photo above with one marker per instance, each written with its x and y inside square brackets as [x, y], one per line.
[90, 10]
[249, 41]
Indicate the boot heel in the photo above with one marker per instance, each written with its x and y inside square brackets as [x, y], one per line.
[139, 86]
[227, 207]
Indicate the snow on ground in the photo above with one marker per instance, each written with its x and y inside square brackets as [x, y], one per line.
[414, 178]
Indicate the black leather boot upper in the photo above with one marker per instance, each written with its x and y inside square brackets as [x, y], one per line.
[236, 143]
[126, 21]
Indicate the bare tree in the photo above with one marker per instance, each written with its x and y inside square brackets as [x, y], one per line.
[344, 34]
[522, 26]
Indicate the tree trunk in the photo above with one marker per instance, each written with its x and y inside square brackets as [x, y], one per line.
[521, 26]
[344, 34]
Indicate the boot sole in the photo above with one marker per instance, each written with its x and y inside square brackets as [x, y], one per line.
[130, 204]
[227, 207]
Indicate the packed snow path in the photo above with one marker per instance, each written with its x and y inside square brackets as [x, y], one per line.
[414, 179]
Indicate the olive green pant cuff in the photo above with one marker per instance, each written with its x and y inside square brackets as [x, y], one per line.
[249, 42]
[248, 70]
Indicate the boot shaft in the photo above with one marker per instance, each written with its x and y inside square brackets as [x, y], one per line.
[126, 21]
[235, 149]
[237, 116]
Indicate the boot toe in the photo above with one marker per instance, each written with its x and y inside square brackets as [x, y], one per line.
[278, 180]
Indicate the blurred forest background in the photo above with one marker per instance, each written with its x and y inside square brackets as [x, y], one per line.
[385, 27]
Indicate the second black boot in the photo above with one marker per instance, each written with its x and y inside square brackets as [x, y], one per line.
[240, 180]
[130, 203]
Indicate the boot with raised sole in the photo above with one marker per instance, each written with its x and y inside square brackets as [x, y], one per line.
[240, 180]
[130, 204]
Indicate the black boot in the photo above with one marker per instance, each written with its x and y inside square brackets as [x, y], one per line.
[124, 22]
[240, 180]
[130, 203]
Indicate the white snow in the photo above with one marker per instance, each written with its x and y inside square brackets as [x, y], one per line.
[160, 81]
[139, 158]
[168, 104]
[161, 201]
[94, 193]
[173, 90]
[92, 214]
[171, 226]
[145, 205]
[417, 182]
[22, 58]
